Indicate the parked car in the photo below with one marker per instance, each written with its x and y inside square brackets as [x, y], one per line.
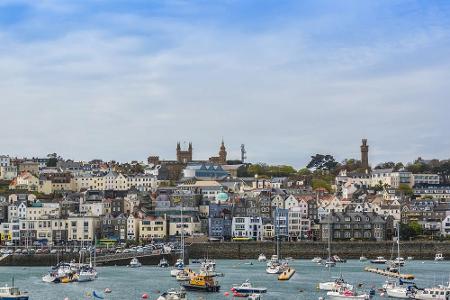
[53, 251]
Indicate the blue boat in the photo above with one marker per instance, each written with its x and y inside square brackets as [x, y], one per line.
[247, 288]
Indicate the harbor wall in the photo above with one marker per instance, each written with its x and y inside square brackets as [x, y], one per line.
[251, 250]
[47, 260]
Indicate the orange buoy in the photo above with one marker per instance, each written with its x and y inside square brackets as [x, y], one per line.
[226, 294]
[144, 296]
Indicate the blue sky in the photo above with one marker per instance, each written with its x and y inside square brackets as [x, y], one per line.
[126, 79]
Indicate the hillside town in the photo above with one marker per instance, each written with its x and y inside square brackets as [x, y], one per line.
[57, 201]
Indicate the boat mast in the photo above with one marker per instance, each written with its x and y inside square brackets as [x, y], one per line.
[329, 240]
[182, 232]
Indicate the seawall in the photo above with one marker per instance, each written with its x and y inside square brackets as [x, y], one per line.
[251, 250]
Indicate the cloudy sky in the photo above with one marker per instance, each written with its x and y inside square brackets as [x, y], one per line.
[125, 79]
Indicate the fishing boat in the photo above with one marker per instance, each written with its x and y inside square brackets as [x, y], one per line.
[202, 282]
[439, 257]
[379, 260]
[439, 292]
[343, 294]
[247, 288]
[135, 263]
[335, 285]
[173, 294]
[317, 260]
[12, 293]
[183, 276]
[262, 258]
[163, 263]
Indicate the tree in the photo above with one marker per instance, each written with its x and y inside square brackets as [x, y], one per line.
[410, 230]
[406, 189]
[322, 162]
[320, 183]
[51, 162]
[385, 165]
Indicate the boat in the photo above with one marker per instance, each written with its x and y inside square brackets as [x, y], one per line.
[254, 297]
[273, 259]
[163, 263]
[379, 260]
[202, 282]
[134, 263]
[398, 289]
[183, 276]
[439, 257]
[335, 285]
[410, 258]
[317, 260]
[273, 269]
[179, 264]
[12, 293]
[439, 292]
[86, 273]
[248, 288]
[362, 258]
[329, 262]
[337, 259]
[173, 294]
[262, 258]
[286, 273]
[343, 294]
[196, 261]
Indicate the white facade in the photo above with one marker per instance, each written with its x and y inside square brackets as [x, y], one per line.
[5, 161]
[247, 227]
[445, 227]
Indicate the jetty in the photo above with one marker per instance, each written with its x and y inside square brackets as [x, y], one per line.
[287, 274]
[388, 273]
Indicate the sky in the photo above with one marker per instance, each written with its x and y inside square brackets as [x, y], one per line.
[126, 79]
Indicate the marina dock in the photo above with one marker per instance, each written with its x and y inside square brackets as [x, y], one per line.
[389, 274]
[286, 275]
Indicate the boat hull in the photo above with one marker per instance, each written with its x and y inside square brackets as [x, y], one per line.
[250, 291]
[14, 297]
[337, 296]
[210, 289]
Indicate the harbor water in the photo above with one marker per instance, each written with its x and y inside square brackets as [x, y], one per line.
[132, 283]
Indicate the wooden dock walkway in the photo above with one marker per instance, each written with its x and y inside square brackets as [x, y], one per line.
[389, 274]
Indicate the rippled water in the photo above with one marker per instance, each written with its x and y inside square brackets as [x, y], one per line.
[128, 283]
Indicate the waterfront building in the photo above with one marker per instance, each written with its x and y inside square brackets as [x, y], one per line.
[354, 225]
[133, 226]
[299, 224]
[152, 227]
[220, 221]
[82, 229]
[114, 227]
[445, 227]
[247, 228]
[190, 223]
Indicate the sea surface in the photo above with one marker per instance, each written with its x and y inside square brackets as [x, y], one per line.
[127, 283]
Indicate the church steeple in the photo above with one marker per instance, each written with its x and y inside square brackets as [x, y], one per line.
[222, 153]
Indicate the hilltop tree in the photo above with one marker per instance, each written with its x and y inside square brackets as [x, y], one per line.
[322, 162]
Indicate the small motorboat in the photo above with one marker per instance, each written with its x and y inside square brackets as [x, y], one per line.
[400, 289]
[248, 288]
[398, 262]
[439, 257]
[12, 293]
[254, 297]
[163, 263]
[274, 268]
[173, 294]
[317, 260]
[183, 276]
[379, 260]
[337, 259]
[410, 258]
[362, 258]
[262, 258]
[196, 261]
[329, 263]
[344, 294]
[134, 263]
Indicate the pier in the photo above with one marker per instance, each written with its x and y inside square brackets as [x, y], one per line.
[389, 274]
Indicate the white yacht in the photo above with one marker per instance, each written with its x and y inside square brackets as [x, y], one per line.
[362, 258]
[398, 289]
[135, 263]
[262, 258]
[163, 263]
[173, 294]
[248, 288]
[439, 257]
[379, 260]
[317, 260]
[335, 285]
[439, 292]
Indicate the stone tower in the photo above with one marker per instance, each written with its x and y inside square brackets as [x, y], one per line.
[364, 154]
[222, 154]
[184, 156]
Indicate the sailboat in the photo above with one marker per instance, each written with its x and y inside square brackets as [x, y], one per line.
[274, 265]
[179, 265]
[329, 262]
[400, 289]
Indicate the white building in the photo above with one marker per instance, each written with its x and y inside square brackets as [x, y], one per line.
[247, 227]
[445, 227]
[299, 224]
[5, 161]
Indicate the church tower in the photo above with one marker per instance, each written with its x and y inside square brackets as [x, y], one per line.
[364, 154]
[223, 153]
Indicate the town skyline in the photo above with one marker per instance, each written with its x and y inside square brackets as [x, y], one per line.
[103, 79]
